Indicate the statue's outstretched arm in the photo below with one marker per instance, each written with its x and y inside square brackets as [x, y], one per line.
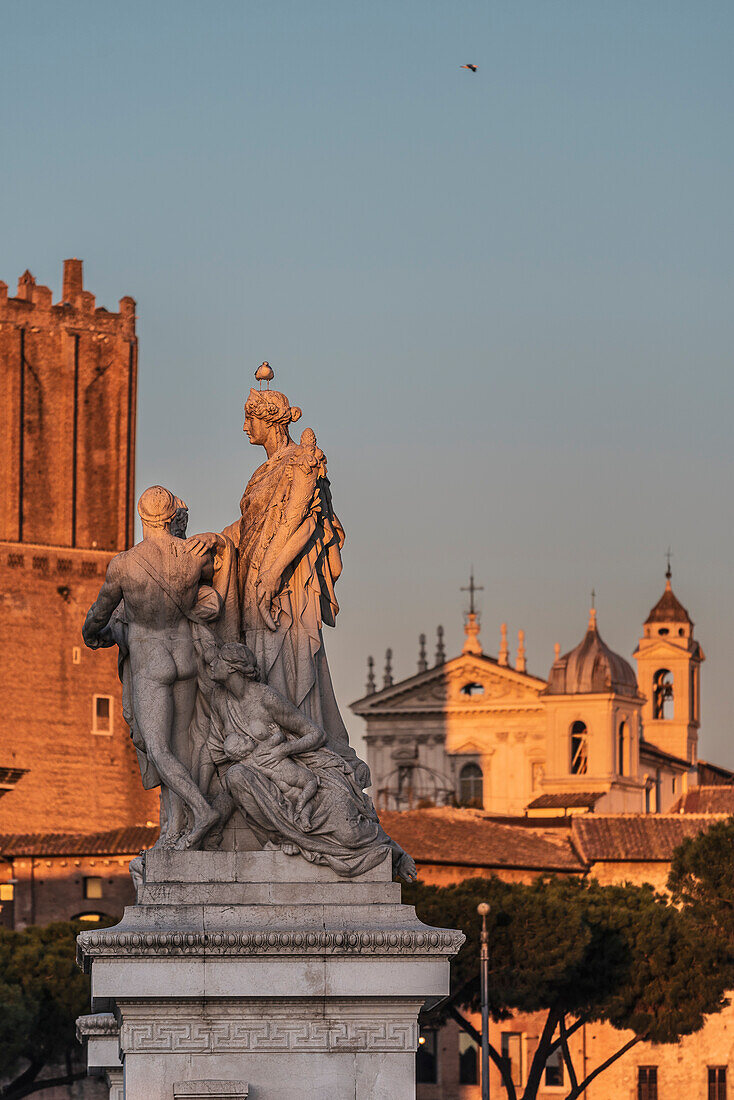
[101, 611]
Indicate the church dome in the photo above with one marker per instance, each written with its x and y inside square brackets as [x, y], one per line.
[591, 668]
[668, 609]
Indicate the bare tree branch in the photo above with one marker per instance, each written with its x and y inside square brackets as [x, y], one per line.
[541, 1055]
[600, 1069]
[494, 1054]
[15, 1091]
[567, 1052]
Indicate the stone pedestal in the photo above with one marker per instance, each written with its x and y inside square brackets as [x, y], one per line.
[259, 975]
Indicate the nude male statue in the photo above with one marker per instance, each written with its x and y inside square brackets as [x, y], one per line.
[159, 581]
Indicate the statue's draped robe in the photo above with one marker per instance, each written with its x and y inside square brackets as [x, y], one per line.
[344, 832]
[287, 501]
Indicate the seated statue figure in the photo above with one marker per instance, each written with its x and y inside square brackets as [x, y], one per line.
[254, 732]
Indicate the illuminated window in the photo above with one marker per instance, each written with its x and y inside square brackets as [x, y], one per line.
[468, 1060]
[92, 887]
[7, 891]
[89, 918]
[647, 1083]
[554, 1069]
[717, 1083]
[512, 1052]
[471, 786]
[102, 714]
[579, 749]
[426, 1059]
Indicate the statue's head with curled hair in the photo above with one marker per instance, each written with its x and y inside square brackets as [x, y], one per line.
[239, 658]
[266, 412]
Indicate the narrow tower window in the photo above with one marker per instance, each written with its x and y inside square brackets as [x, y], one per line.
[102, 714]
[471, 786]
[579, 748]
[621, 738]
[662, 694]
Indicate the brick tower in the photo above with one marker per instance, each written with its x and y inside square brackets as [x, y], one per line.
[67, 467]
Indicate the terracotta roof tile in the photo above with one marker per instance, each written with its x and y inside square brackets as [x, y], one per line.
[649, 838]
[706, 800]
[562, 801]
[471, 838]
[116, 842]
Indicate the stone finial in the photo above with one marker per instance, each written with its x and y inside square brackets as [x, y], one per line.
[592, 619]
[521, 663]
[387, 677]
[371, 686]
[504, 653]
[422, 659]
[471, 630]
[556, 652]
[440, 649]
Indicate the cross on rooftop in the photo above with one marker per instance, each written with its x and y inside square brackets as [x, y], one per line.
[471, 588]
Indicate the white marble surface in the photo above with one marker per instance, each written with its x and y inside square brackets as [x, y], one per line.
[301, 985]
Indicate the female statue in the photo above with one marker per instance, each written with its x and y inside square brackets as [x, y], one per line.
[289, 544]
[297, 795]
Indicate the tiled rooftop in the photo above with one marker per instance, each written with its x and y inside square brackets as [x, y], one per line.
[634, 837]
[471, 838]
[116, 842]
[706, 800]
[565, 801]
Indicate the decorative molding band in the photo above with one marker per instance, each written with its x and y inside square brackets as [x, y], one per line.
[257, 1035]
[98, 1025]
[108, 942]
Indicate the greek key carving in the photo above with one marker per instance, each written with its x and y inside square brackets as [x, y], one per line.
[263, 1036]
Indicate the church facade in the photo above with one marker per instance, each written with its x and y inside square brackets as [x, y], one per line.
[593, 736]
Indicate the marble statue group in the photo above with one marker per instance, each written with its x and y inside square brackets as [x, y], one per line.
[225, 683]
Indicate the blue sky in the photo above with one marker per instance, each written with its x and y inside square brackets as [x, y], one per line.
[502, 299]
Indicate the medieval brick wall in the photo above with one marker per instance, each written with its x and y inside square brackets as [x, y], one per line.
[67, 437]
[82, 771]
[67, 419]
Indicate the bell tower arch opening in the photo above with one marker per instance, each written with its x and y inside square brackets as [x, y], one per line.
[662, 695]
[579, 748]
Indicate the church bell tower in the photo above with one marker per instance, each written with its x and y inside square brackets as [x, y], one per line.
[668, 672]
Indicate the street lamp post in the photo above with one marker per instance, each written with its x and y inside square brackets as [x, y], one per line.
[483, 909]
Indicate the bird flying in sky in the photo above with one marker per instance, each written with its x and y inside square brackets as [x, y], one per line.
[472, 67]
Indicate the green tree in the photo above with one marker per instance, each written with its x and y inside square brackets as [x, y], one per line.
[701, 879]
[42, 991]
[579, 952]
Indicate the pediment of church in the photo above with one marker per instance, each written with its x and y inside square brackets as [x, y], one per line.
[664, 648]
[467, 681]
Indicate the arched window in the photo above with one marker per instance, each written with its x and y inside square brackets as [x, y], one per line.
[662, 694]
[471, 786]
[621, 738]
[579, 748]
